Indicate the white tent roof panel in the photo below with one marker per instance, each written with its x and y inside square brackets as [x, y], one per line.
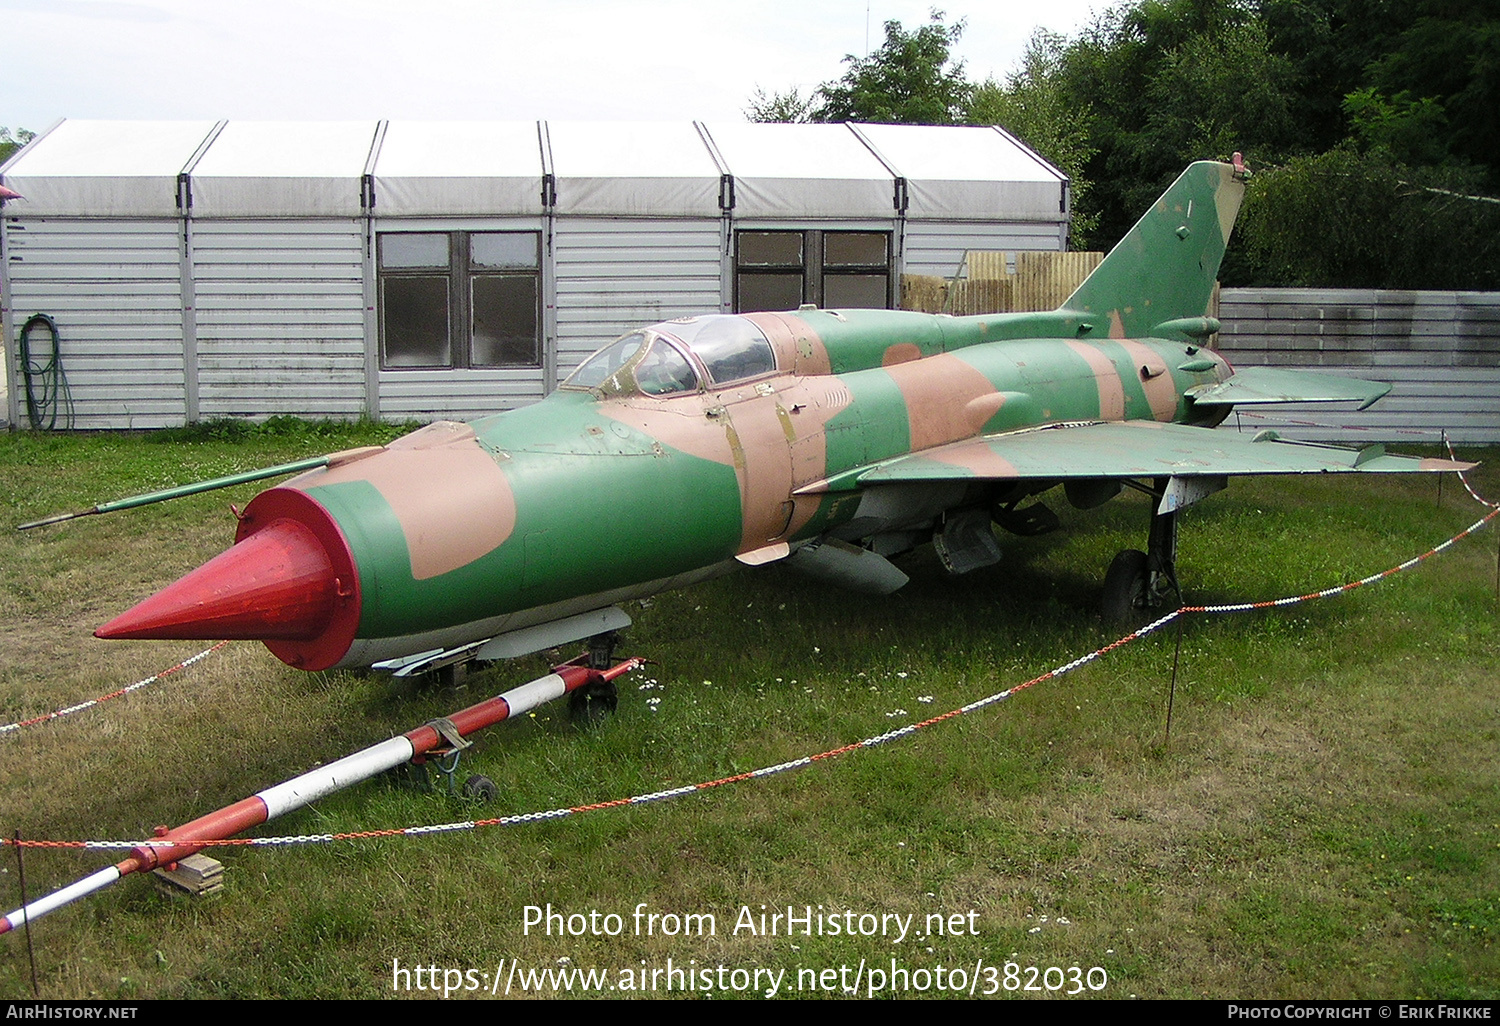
[281, 168]
[104, 168]
[803, 171]
[459, 168]
[659, 169]
[476, 169]
[964, 173]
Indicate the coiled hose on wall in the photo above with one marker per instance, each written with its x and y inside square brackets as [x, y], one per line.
[47, 389]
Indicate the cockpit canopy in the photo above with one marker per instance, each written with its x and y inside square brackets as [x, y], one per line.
[679, 356]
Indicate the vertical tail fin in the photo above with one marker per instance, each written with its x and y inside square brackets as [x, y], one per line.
[1164, 269]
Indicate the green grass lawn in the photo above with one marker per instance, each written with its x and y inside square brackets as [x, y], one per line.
[1324, 820]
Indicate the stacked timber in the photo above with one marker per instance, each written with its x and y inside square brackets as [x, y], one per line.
[197, 875]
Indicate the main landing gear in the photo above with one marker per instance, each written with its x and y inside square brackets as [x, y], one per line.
[1142, 586]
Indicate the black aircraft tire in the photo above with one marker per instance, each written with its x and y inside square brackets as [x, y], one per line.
[1123, 586]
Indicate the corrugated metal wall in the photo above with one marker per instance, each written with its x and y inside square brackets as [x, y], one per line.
[615, 274]
[1439, 350]
[114, 289]
[280, 317]
[938, 247]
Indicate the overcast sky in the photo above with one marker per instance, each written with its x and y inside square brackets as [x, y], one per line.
[309, 60]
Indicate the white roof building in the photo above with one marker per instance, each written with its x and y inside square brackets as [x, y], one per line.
[425, 269]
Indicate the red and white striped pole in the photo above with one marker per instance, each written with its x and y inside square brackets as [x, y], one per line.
[193, 837]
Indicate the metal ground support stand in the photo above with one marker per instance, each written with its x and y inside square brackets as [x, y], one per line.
[602, 649]
[444, 760]
[592, 704]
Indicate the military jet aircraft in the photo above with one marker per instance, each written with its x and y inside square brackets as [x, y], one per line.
[832, 440]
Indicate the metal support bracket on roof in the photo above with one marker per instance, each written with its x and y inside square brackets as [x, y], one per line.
[367, 177]
[549, 176]
[185, 176]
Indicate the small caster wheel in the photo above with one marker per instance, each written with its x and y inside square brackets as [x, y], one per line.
[592, 704]
[481, 789]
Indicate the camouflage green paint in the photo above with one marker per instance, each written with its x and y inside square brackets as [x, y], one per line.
[591, 482]
[552, 508]
[587, 520]
[1164, 268]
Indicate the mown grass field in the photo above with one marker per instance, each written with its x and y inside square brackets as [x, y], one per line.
[1323, 822]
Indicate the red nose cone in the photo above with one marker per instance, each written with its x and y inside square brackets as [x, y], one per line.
[277, 584]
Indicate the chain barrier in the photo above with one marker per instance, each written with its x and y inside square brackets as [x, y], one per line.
[47, 717]
[783, 767]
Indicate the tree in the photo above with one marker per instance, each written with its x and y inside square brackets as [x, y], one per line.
[907, 81]
[1346, 219]
[790, 106]
[9, 144]
[1033, 106]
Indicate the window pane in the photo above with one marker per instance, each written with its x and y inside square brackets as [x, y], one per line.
[770, 292]
[730, 347]
[413, 250]
[598, 368]
[414, 321]
[868, 248]
[664, 371]
[503, 249]
[504, 309]
[854, 291]
[770, 248]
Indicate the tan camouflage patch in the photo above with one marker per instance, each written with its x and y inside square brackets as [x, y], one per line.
[765, 477]
[1106, 378]
[810, 403]
[680, 422]
[1227, 198]
[938, 392]
[769, 431]
[978, 458]
[901, 352]
[799, 348]
[450, 497]
[1156, 379]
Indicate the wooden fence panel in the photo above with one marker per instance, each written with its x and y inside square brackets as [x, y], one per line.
[1040, 281]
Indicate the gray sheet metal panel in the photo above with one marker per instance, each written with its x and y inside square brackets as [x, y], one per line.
[938, 247]
[1439, 350]
[456, 394]
[281, 320]
[614, 275]
[114, 288]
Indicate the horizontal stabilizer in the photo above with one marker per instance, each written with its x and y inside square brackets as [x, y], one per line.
[1252, 386]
